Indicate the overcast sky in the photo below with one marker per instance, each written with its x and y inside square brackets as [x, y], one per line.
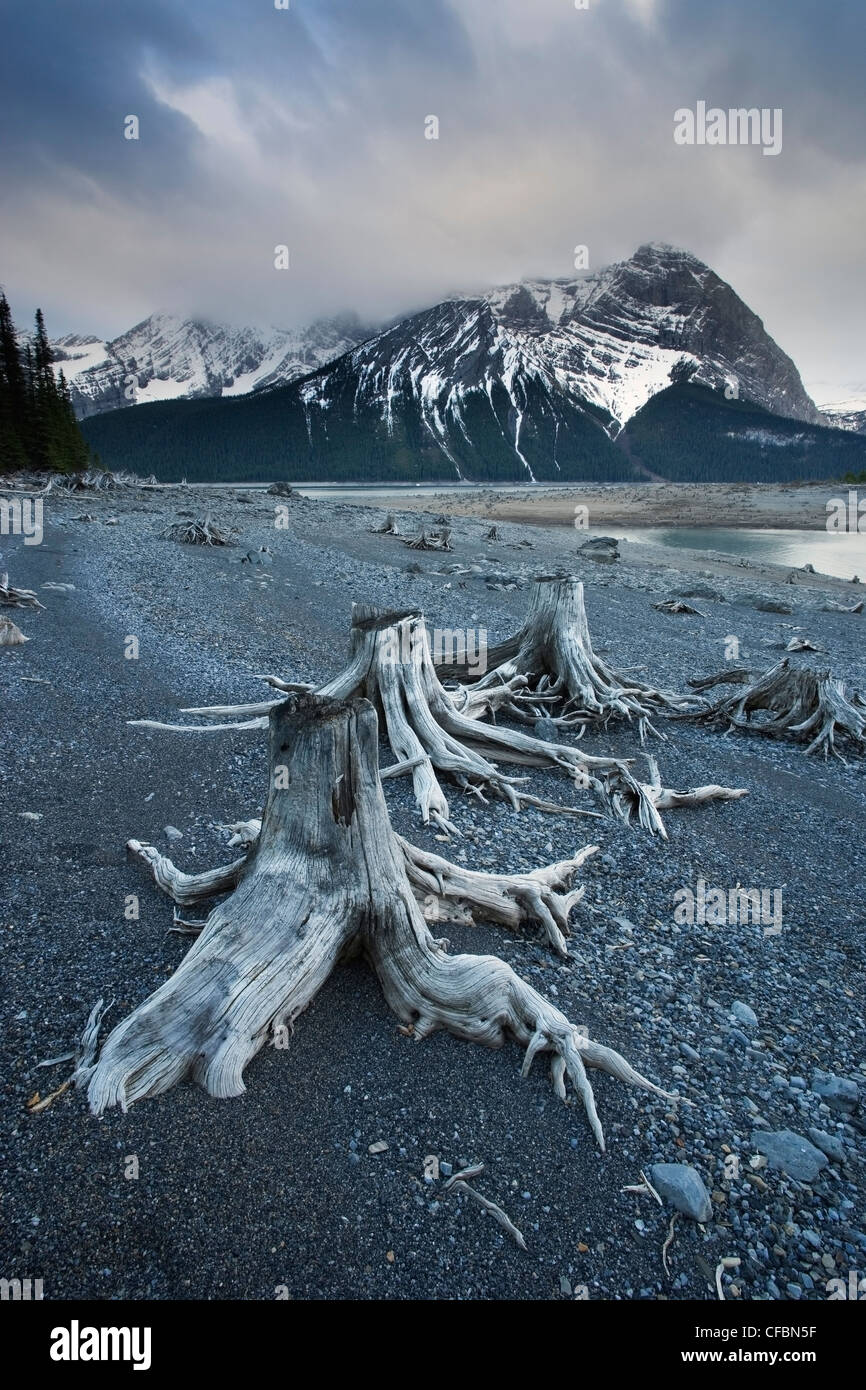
[306, 127]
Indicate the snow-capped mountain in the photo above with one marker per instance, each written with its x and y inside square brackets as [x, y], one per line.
[652, 367]
[529, 356]
[169, 358]
[846, 409]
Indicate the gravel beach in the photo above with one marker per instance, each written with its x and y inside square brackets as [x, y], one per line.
[277, 1193]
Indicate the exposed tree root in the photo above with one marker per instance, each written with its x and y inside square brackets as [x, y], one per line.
[17, 598]
[326, 875]
[388, 527]
[433, 731]
[795, 703]
[447, 892]
[202, 532]
[430, 540]
[676, 605]
[553, 654]
[732, 675]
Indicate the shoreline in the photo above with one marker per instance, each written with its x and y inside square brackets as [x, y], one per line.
[758, 506]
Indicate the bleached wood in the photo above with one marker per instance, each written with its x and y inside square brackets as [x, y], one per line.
[17, 598]
[326, 873]
[797, 703]
[436, 733]
[553, 651]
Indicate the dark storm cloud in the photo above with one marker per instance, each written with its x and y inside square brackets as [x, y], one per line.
[306, 127]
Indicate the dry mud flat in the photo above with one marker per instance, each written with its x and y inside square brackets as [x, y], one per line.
[279, 1188]
[794, 506]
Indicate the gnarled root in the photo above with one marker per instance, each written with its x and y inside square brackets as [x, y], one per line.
[182, 888]
[201, 532]
[17, 598]
[433, 731]
[797, 703]
[554, 652]
[327, 872]
[481, 999]
[449, 892]
[446, 891]
[430, 540]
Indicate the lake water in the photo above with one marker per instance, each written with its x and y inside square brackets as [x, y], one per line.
[842, 554]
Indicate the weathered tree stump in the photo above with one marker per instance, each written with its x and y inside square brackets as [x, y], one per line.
[553, 654]
[795, 703]
[433, 731]
[430, 540]
[201, 532]
[326, 876]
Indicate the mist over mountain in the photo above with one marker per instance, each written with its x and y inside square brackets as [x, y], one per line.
[540, 379]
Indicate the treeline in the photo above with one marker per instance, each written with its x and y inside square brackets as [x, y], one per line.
[276, 435]
[684, 434]
[38, 429]
[690, 434]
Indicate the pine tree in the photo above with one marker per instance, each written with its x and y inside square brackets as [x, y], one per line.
[13, 396]
[38, 428]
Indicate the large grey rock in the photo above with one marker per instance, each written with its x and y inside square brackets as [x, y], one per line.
[837, 1092]
[683, 1187]
[790, 1152]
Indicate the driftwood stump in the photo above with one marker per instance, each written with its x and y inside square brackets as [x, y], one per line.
[326, 876]
[434, 732]
[553, 654]
[806, 706]
[16, 598]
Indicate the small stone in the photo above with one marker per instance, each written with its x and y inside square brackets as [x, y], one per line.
[378, 1148]
[683, 1187]
[171, 832]
[744, 1014]
[564, 1286]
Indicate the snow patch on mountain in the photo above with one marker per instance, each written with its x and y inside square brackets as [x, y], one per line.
[167, 357]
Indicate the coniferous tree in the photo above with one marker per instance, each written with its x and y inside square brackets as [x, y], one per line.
[38, 428]
[13, 396]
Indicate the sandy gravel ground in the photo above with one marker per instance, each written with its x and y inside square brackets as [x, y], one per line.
[278, 1188]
